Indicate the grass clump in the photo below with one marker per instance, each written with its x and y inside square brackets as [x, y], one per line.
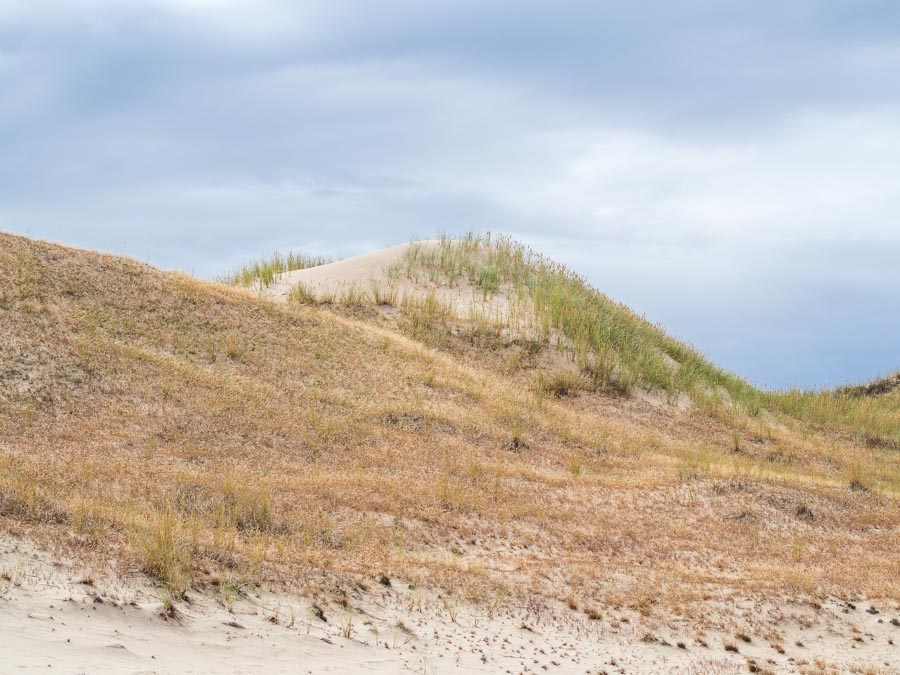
[23, 496]
[352, 296]
[385, 294]
[166, 544]
[301, 294]
[262, 272]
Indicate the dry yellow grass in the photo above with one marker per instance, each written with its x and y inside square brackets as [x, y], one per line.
[204, 435]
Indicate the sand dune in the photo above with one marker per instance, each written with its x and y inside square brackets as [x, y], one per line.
[267, 465]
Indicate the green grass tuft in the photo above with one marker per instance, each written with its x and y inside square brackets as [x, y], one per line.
[262, 272]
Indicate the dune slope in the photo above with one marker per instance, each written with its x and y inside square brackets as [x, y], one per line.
[211, 440]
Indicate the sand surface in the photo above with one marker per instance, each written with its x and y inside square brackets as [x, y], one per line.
[362, 271]
[56, 616]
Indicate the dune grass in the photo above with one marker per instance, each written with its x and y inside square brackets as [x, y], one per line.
[262, 272]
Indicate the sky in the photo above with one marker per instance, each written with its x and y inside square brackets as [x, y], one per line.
[731, 170]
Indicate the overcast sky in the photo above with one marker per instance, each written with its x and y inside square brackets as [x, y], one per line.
[729, 169]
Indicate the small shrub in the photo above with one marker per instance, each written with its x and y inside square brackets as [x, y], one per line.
[516, 444]
[803, 511]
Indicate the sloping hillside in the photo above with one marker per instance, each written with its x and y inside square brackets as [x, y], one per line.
[216, 440]
[500, 296]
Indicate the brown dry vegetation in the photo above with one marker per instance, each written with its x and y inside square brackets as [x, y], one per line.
[209, 437]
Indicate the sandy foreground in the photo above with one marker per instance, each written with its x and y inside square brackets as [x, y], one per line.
[58, 616]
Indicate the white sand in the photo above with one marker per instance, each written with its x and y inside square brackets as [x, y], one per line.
[50, 621]
[333, 279]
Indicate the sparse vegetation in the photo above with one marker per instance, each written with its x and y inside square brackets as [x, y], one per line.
[427, 319]
[347, 625]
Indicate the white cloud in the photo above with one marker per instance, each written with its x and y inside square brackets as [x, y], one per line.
[812, 177]
[239, 20]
